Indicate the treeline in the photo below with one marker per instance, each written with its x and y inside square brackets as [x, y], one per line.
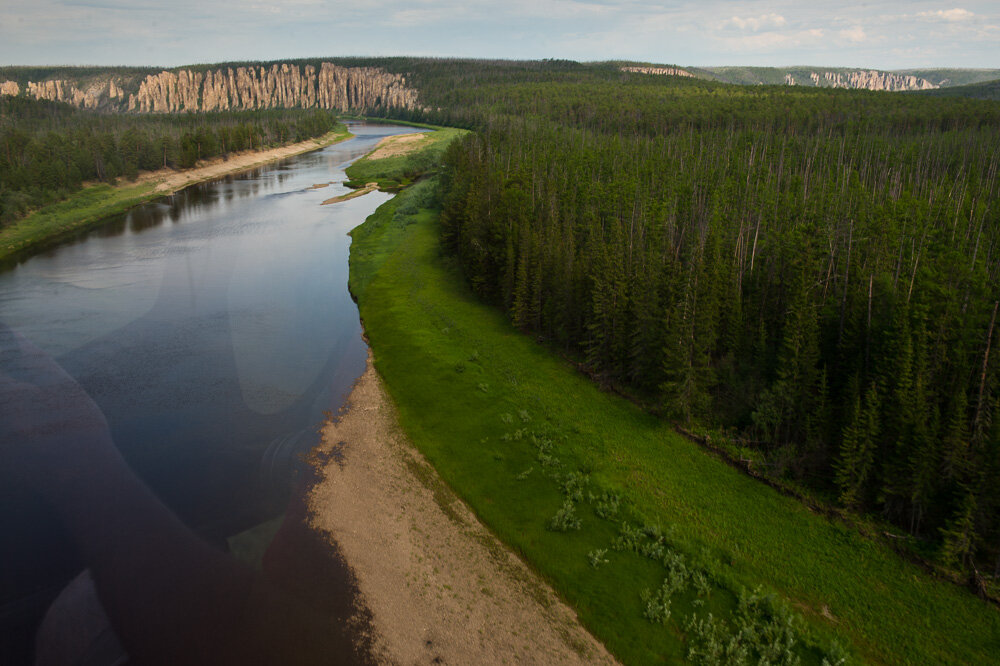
[815, 272]
[48, 149]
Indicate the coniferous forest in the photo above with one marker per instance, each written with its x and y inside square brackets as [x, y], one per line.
[811, 274]
[48, 149]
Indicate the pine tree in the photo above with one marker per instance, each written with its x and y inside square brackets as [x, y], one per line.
[857, 450]
[958, 537]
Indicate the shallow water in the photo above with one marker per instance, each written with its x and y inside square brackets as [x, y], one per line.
[215, 330]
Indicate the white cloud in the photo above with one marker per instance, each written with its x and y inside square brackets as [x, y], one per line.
[855, 34]
[876, 33]
[755, 23]
[765, 42]
[948, 15]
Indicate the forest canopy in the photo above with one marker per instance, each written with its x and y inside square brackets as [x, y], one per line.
[812, 273]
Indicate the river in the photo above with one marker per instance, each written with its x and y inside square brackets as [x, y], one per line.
[215, 330]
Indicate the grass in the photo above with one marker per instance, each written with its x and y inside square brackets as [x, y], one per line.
[377, 120]
[395, 173]
[665, 552]
[77, 212]
[89, 207]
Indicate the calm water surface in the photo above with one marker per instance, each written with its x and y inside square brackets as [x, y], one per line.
[214, 328]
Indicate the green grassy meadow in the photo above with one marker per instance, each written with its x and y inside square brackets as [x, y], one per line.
[394, 173]
[665, 551]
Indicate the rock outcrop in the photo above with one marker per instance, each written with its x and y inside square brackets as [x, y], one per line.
[876, 80]
[280, 86]
[94, 96]
[868, 79]
[236, 88]
[664, 71]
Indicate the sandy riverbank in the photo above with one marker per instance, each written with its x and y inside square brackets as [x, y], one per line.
[401, 144]
[172, 180]
[439, 586]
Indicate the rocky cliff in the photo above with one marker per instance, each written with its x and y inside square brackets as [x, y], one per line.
[820, 77]
[870, 80]
[663, 71]
[248, 87]
[94, 96]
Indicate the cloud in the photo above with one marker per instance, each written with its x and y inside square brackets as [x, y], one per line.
[765, 42]
[855, 34]
[755, 23]
[877, 33]
[948, 15]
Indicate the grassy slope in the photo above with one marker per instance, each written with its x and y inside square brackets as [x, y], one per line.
[466, 383]
[85, 208]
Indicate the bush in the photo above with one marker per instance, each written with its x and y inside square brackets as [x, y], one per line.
[565, 518]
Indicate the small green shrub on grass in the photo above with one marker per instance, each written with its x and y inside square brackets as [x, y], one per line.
[597, 557]
[565, 518]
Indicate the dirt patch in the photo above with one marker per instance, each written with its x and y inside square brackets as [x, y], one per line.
[440, 587]
[393, 146]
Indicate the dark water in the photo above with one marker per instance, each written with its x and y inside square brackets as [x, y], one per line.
[214, 328]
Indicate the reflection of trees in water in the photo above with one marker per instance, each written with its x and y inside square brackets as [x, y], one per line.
[147, 217]
[194, 199]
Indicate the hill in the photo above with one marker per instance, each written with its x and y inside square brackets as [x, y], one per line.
[849, 78]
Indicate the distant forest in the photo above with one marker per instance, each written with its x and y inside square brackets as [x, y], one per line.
[48, 149]
[812, 275]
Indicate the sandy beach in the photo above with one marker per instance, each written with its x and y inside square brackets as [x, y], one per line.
[440, 588]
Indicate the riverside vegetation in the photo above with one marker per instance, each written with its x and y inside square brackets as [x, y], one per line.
[665, 552]
[807, 276]
[812, 275]
[48, 150]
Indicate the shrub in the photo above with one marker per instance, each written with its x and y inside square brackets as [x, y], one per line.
[565, 518]
[596, 557]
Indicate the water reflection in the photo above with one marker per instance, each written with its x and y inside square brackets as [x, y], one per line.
[213, 328]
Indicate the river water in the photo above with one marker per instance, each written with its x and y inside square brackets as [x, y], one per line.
[215, 330]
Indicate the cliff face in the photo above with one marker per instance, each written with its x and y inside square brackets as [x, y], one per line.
[870, 80]
[821, 77]
[666, 71]
[94, 96]
[249, 87]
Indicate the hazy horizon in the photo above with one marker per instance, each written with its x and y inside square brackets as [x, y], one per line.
[712, 33]
[445, 57]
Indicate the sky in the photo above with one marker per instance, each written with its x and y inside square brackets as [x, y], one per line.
[168, 33]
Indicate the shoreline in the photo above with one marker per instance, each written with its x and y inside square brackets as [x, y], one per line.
[438, 586]
[172, 180]
[57, 221]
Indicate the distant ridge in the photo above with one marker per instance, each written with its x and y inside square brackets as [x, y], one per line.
[244, 86]
[372, 83]
[848, 78]
[984, 90]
